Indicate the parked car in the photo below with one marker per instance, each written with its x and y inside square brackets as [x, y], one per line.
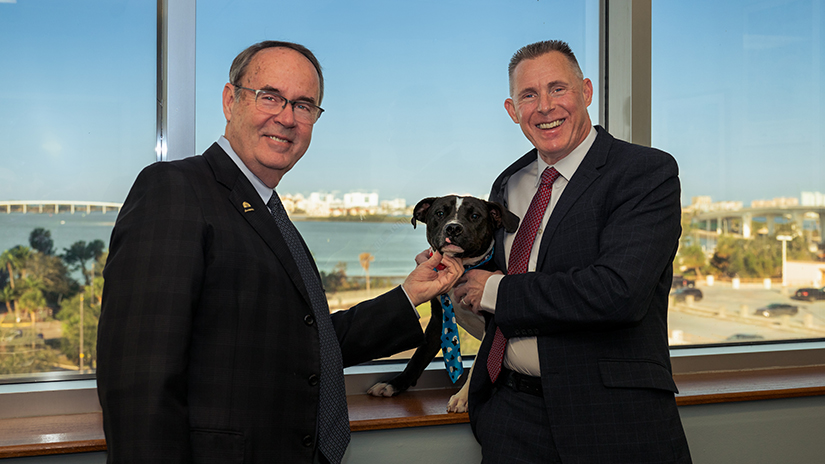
[681, 293]
[810, 294]
[679, 282]
[777, 309]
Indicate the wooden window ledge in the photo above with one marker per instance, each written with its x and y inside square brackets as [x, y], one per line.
[78, 433]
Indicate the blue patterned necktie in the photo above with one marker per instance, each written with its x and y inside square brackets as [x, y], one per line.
[450, 343]
[333, 417]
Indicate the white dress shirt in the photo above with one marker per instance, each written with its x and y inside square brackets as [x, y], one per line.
[522, 353]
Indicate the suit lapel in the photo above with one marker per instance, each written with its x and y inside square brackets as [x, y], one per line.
[586, 174]
[498, 194]
[245, 199]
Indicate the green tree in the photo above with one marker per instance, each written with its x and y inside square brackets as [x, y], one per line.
[77, 255]
[88, 303]
[15, 260]
[691, 257]
[40, 239]
[54, 278]
[336, 280]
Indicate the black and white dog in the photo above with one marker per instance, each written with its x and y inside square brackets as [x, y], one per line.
[462, 227]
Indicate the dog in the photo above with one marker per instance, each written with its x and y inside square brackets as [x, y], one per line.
[462, 227]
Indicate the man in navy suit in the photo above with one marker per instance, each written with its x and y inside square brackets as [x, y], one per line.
[585, 375]
[212, 334]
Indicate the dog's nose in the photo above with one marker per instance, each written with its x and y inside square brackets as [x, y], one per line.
[454, 230]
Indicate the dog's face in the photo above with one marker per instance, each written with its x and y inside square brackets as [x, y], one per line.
[462, 226]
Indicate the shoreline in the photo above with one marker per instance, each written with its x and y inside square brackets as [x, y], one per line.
[387, 218]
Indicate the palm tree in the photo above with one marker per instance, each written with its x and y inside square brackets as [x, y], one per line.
[15, 261]
[80, 253]
[365, 259]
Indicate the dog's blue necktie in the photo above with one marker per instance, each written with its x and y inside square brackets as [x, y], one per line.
[450, 342]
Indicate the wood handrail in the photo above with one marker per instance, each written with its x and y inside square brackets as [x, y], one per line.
[79, 433]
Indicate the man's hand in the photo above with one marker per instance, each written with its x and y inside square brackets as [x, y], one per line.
[423, 256]
[470, 288]
[425, 282]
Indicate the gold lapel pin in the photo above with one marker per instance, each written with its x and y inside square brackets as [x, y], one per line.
[247, 207]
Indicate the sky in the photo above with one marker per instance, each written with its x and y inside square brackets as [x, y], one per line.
[414, 91]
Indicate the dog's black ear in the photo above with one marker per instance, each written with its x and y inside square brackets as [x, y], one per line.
[502, 217]
[420, 210]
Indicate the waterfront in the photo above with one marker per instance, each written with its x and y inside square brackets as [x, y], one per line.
[393, 244]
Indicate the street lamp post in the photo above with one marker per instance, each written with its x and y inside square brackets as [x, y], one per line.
[784, 239]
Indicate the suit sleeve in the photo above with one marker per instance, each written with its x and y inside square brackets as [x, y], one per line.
[152, 283]
[607, 256]
[377, 328]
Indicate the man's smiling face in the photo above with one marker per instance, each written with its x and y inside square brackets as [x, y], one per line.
[550, 103]
[270, 145]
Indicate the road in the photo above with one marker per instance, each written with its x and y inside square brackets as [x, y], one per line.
[725, 311]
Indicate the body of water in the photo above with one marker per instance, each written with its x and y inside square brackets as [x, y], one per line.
[394, 244]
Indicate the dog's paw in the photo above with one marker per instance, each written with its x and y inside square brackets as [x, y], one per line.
[382, 389]
[457, 403]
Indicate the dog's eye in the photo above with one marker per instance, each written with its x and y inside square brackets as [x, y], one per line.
[475, 216]
[439, 213]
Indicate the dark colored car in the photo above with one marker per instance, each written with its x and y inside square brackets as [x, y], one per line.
[810, 294]
[777, 309]
[679, 282]
[680, 293]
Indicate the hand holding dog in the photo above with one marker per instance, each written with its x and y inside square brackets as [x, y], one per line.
[470, 288]
[425, 282]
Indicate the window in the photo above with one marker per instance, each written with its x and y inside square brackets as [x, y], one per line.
[737, 98]
[77, 120]
[414, 100]
[414, 90]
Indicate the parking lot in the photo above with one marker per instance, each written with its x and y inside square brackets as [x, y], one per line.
[726, 314]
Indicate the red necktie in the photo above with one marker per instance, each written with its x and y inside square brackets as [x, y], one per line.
[520, 256]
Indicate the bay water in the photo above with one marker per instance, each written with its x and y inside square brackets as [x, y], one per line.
[393, 244]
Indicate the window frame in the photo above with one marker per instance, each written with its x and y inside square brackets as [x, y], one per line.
[625, 67]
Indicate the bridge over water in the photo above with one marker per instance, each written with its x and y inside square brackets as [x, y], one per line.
[57, 206]
[738, 221]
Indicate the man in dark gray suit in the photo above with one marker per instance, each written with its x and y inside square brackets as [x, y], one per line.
[575, 366]
[215, 340]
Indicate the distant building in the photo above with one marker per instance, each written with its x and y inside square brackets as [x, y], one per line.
[361, 200]
[813, 199]
[396, 206]
[325, 204]
[775, 203]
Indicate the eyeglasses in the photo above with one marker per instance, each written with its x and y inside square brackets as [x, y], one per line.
[274, 104]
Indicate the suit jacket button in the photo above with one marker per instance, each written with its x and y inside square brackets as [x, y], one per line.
[309, 320]
[313, 380]
[307, 441]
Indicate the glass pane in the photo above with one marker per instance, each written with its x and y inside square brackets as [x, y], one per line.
[738, 92]
[414, 100]
[77, 121]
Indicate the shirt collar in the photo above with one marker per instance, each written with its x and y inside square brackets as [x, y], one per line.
[567, 166]
[264, 191]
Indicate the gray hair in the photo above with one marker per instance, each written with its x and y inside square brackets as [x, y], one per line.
[538, 49]
[238, 69]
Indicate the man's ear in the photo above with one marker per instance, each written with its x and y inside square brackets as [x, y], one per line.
[420, 210]
[510, 106]
[587, 92]
[228, 99]
[502, 217]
